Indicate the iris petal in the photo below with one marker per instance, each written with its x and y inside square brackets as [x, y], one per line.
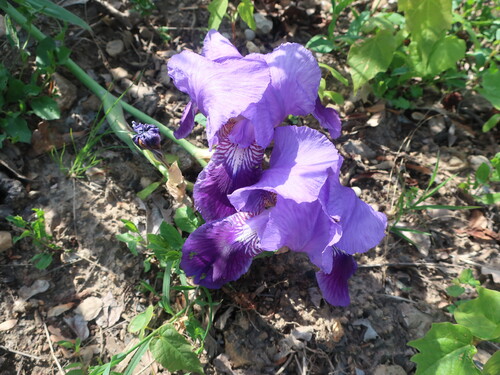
[221, 91]
[187, 121]
[362, 227]
[220, 251]
[303, 227]
[328, 118]
[217, 48]
[299, 167]
[334, 285]
[230, 168]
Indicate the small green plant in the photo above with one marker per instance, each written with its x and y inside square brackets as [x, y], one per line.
[411, 200]
[41, 239]
[449, 348]
[484, 177]
[167, 344]
[218, 9]
[144, 7]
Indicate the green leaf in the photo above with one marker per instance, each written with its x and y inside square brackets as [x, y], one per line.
[16, 127]
[171, 235]
[136, 358]
[467, 277]
[131, 241]
[130, 226]
[320, 44]
[200, 119]
[335, 73]
[445, 54]
[45, 108]
[186, 220]
[489, 86]
[245, 10]
[491, 122]
[371, 56]
[217, 9]
[489, 198]
[446, 349]
[141, 321]
[42, 261]
[483, 173]
[15, 90]
[482, 314]
[492, 367]
[455, 290]
[53, 10]
[427, 20]
[173, 351]
[148, 190]
[18, 221]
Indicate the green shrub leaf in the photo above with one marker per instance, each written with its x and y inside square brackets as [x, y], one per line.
[481, 315]
[173, 351]
[46, 108]
[171, 235]
[371, 56]
[139, 322]
[492, 367]
[245, 10]
[446, 349]
[217, 9]
[445, 54]
[186, 220]
[489, 86]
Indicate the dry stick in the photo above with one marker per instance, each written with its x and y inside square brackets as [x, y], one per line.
[285, 365]
[52, 349]
[21, 353]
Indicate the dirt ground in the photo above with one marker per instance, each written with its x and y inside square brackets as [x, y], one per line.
[273, 320]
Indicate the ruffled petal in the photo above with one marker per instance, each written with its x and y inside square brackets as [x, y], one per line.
[303, 227]
[187, 121]
[230, 168]
[217, 48]
[295, 75]
[220, 251]
[362, 227]
[221, 91]
[334, 285]
[299, 167]
[328, 118]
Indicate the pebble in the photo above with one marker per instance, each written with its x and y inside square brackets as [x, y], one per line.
[476, 161]
[163, 76]
[67, 92]
[115, 47]
[5, 241]
[252, 48]
[358, 147]
[349, 107]
[262, 24]
[249, 34]
[389, 370]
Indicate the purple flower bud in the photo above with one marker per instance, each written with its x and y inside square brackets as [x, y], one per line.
[148, 136]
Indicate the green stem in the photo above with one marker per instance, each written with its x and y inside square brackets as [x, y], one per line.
[109, 101]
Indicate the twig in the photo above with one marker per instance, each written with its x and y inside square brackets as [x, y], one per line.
[407, 264]
[285, 365]
[401, 299]
[146, 367]
[52, 349]
[21, 353]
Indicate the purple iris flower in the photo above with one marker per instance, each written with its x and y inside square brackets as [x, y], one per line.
[147, 137]
[297, 202]
[255, 92]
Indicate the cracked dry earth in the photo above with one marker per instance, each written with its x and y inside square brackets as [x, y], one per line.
[273, 320]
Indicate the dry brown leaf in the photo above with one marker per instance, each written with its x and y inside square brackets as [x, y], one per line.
[176, 185]
[377, 107]
[8, 324]
[37, 287]
[78, 325]
[46, 138]
[89, 308]
[59, 309]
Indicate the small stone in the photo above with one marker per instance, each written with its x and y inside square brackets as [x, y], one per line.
[455, 162]
[437, 124]
[262, 24]
[389, 370]
[163, 76]
[92, 103]
[252, 48]
[115, 47]
[119, 73]
[5, 241]
[357, 190]
[145, 33]
[249, 34]
[358, 147]
[349, 107]
[476, 161]
[66, 90]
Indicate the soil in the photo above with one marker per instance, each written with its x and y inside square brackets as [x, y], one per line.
[273, 320]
